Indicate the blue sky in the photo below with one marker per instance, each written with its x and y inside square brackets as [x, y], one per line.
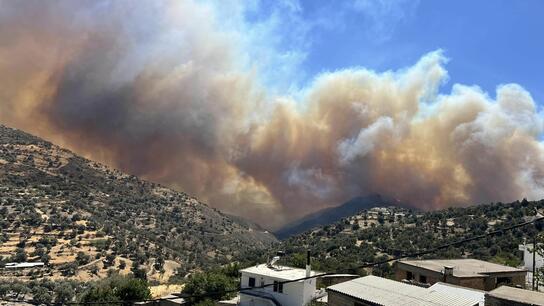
[488, 42]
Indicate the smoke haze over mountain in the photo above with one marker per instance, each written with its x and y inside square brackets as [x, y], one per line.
[180, 92]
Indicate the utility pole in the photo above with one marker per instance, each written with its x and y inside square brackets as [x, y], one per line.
[534, 259]
[538, 228]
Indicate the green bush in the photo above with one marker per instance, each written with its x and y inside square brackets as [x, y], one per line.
[116, 289]
[213, 283]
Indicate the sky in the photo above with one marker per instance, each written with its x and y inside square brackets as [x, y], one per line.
[488, 42]
[272, 110]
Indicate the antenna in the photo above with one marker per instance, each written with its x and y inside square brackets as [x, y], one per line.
[275, 259]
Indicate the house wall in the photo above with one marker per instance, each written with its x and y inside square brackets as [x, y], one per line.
[246, 300]
[401, 273]
[528, 257]
[294, 294]
[486, 283]
[329, 281]
[495, 301]
[480, 283]
[339, 299]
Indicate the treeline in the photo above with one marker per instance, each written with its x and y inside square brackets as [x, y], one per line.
[357, 240]
[113, 289]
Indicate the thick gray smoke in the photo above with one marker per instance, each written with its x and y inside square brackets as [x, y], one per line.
[174, 92]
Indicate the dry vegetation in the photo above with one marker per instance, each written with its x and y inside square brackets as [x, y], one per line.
[85, 220]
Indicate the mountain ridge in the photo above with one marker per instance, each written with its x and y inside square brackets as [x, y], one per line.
[333, 214]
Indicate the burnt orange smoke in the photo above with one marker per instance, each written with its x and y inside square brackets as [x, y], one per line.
[163, 90]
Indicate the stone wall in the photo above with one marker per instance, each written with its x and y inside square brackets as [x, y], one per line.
[495, 301]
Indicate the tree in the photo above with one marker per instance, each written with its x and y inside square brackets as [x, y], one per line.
[41, 295]
[381, 219]
[206, 282]
[137, 272]
[132, 289]
[110, 260]
[20, 255]
[20, 290]
[82, 258]
[64, 293]
[68, 269]
[298, 260]
[4, 290]
[116, 289]
[206, 302]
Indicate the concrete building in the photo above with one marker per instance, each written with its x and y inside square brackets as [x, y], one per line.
[471, 273]
[508, 296]
[373, 290]
[290, 294]
[333, 279]
[528, 257]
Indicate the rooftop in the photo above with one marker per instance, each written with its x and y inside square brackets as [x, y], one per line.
[281, 272]
[474, 294]
[387, 292]
[518, 295]
[462, 267]
[15, 265]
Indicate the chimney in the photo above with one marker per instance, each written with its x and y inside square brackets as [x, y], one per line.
[308, 267]
[448, 271]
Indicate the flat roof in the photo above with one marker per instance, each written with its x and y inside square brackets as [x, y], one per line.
[518, 295]
[15, 265]
[383, 291]
[462, 267]
[281, 272]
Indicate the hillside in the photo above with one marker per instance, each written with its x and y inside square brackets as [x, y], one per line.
[333, 214]
[383, 232]
[84, 219]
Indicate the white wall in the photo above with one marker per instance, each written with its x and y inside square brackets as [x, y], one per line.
[294, 294]
[528, 257]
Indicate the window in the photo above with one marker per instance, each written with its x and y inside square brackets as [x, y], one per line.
[503, 281]
[423, 279]
[409, 275]
[278, 287]
[251, 282]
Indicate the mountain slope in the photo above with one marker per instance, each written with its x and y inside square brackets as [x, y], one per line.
[381, 233]
[333, 214]
[55, 204]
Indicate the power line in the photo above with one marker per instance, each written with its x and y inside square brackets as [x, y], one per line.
[366, 265]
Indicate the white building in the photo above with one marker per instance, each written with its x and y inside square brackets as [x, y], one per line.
[528, 257]
[289, 294]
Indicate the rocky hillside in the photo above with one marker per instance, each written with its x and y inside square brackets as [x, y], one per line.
[333, 214]
[82, 218]
[383, 232]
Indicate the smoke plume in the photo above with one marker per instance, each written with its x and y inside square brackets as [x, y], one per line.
[178, 92]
